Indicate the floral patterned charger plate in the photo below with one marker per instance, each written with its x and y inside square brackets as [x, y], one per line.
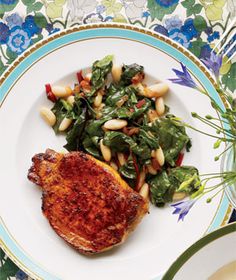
[160, 239]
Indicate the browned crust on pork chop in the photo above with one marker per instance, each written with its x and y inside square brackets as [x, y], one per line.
[86, 202]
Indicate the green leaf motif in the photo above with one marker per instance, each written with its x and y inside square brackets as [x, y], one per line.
[34, 7]
[11, 55]
[214, 13]
[28, 2]
[2, 69]
[229, 78]
[38, 6]
[200, 23]
[8, 269]
[53, 10]
[193, 10]
[40, 20]
[158, 11]
[37, 39]
[188, 3]
[6, 7]
[197, 8]
[196, 47]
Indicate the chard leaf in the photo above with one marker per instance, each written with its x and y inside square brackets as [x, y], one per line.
[60, 113]
[185, 178]
[127, 170]
[100, 70]
[73, 137]
[128, 72]
[161, 189]
[94, 127]
[172, 138]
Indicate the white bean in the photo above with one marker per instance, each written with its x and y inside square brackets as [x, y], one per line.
[60, 91]
[178, 196]
[116, 72]
[71, 100]
[152, 115]
[105, 150]
[142, 177]
[160, 156]
[65, 124]
[151, 169]
[48, 116]
[153, 153]
[98, 99]
[144, 191]
[156, 90]
[140, 88]
[160, 106]
[113, 165]
[121, 158]
[115, 124]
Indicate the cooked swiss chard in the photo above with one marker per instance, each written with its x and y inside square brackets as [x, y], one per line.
[117, 120]
[167, 182]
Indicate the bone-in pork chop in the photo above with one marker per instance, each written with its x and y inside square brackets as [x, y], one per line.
[86, 202]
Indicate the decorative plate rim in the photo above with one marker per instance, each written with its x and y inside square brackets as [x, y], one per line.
[4, 77]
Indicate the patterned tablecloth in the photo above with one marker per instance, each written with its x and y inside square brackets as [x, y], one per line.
[196, 24]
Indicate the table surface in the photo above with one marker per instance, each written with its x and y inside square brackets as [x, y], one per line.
[196, 24]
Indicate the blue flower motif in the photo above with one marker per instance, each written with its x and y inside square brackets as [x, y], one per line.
[108, 18]
[14, 20]
[208, 30]
[30, 26]
[4, 33]
[51, 30]
[19, 40]
[182, 208]
[161, 29]
[146, 14]
[213, 63]
[21, 275]
[213, 36]
[189, 29]
[173, 22]
[8, 2]
[167, 3]
[100, 9]
[184, 78]
[180, 37]
[205, 51]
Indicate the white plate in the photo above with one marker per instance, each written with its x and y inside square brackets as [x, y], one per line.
[207, 257]
[24, 232]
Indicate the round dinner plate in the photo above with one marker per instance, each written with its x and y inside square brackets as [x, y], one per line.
[25, 234]
[209, 257]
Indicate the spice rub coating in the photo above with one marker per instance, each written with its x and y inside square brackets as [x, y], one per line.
[85, 201]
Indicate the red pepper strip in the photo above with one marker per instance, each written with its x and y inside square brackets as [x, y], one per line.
[136, 170]
[79, 76]
[140, 103]
[137, 78]
[179, 159]
[155, 164]
[131, 110]
[50, 94]
[85, 85]
[48, 88]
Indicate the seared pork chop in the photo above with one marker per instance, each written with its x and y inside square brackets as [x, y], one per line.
[86, 202]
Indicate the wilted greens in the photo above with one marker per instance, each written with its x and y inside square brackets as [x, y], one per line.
[137, 140]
